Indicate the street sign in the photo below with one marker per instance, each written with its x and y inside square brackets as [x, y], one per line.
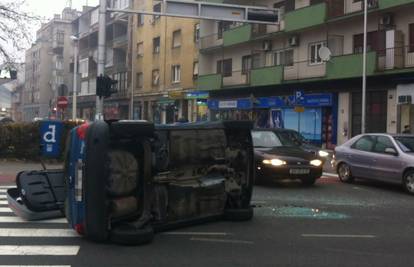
[299, 97]
[62, 102]
[299, 109]
[50, 134]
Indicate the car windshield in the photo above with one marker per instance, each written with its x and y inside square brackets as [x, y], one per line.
[266, 139]
[406, 143]
[291, 138]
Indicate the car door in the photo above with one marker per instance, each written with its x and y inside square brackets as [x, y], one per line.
[360, 156]
[386, 167]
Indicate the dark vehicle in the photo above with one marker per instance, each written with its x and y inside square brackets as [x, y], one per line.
[277, 158]
[297, 139]
[383, 157]
[6, 120]
[126, 180]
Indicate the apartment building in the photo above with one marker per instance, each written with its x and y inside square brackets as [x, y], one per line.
[305, 73]
[85, 28]
[47, 75]
[165, 67]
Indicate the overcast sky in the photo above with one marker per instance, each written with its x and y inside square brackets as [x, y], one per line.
[47, 8]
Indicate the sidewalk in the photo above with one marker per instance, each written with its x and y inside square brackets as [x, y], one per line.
[10, 168]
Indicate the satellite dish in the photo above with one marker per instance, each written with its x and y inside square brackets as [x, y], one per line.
[325, 53]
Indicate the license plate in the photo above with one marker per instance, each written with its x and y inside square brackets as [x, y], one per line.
[299, 171]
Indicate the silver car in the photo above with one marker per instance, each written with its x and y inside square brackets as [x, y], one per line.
[384, 157]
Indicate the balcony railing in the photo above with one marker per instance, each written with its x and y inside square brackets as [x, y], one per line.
[337, 8]
[395, 58]
[120, 41]
[237, 78]
[211, 41]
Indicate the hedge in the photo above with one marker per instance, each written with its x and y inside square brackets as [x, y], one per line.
[22, 140]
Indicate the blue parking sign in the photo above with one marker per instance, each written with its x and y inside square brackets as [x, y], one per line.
[299, 97]
[50, 134]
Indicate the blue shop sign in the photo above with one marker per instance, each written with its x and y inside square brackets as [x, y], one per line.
[312, 100]
[197, 95]
[51, 134]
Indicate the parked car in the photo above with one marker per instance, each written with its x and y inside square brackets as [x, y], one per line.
[297, 139]
[278, 158]
[126, 180]
[383, 157]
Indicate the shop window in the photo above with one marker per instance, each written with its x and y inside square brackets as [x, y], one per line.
[225, 67]
[176, 74]
[411, 33]
[314, 57]
[156, 45]
[176, 40]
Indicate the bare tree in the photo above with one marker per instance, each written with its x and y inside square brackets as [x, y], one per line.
[15, 33]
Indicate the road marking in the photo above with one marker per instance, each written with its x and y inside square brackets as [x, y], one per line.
[197, 233]
[40, 250]
[3, 190]
[33, 232]
[330, 174]
[5, 209]
[4, 202]
[215, 240]
[13, 219]
[337, 236]
[3, 197]
[7, 187]
[258, 202]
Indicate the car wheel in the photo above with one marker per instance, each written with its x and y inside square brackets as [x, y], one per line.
[344, 173]
[308, 181]
[408, 181]
[238, 215]
[127, 234]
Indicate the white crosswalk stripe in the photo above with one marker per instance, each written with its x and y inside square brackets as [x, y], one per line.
[13, 228]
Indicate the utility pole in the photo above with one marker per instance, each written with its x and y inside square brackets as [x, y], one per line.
[75, 76]
[101, 54]
[364, 70]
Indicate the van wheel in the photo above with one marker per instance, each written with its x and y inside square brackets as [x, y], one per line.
[408, 181]
[238, 215]
[127, 234]
[344, 173]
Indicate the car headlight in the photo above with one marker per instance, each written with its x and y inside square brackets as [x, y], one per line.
[323, 154]
[316, 162]
[274, 162]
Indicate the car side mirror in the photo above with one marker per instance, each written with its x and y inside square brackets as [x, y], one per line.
[391, 151]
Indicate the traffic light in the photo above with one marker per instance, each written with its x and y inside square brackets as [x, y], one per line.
[105, 86]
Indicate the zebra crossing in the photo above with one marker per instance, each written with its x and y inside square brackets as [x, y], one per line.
[21, 240]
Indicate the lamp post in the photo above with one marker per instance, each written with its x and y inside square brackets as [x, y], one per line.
[364, 69]
[75, 76]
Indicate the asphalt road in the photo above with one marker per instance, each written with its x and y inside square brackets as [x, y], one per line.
[330, 224]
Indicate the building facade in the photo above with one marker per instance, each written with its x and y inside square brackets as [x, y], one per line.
[165, 67]
[305, 73]
[47, 75]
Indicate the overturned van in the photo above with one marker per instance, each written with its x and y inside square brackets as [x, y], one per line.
[126, 180]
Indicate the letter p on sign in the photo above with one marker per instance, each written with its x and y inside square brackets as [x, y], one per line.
[51, 133]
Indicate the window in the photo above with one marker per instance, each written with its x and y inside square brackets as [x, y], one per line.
[365, 143]
[156, 45]
[246, 64]
[60, 37]
[225, 67]
[221, 27]
[197, 32]
[375, 42]
[94, 16]
[59, 63]
[314, 53]
[140, 20]
[176, 39]
[383, 142]
[84, 67]
[283, 58]
[155, 77]
[176, 74]
[411, 34]
[195, 70]
[139, 80]
[140, 49]
[156, 8]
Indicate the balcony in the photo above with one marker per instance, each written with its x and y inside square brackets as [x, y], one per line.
[266, 76]
[237, 78]
[383, 4]
[210, 42]
[237, 35]
[350, 66]
[305, 17]
[120, 41]
[304, 70]
[209, 82]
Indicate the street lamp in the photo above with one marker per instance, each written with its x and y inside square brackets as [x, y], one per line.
[75, 72]
[364, 69]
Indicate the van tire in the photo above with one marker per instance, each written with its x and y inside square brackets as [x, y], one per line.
[127, 234]
[238, 215]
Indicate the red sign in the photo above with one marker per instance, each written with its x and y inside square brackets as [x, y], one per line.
[62, 102]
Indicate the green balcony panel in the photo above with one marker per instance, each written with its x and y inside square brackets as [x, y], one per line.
[305, 17]
[237, 35]
[350, 66]
[266, 76]
[209, 82]
[383, 4]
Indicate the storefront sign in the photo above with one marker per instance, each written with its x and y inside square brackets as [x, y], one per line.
[175, 94]
[227, 104]
[299, 109]
[197, 95]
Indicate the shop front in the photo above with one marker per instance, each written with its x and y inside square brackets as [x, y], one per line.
[314, 116]
[197, 101]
